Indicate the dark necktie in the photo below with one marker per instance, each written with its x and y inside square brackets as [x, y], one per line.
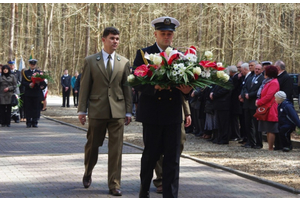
[253, 80]
[109, 67]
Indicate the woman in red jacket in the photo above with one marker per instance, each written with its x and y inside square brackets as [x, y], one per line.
[265, 97]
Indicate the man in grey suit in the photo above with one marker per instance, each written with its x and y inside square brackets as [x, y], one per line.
[108, 101]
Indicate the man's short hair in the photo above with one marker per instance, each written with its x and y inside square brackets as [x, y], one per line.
[281, 64]
[110, 30]
[245, 66]
[232, 68]
[253, 61]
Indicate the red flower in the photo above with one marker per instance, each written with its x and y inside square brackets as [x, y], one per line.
[220, 68]
[141, 70]
[172, 58]
[207, 63]
[149, 73]
[191, 50]
[196, 76]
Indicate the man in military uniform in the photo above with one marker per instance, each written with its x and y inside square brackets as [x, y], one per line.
[33, 94]
[160, 111]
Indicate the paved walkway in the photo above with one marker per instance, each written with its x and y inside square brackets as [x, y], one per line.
[48, 162]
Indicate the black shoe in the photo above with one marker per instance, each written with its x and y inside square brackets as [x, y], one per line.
[277, 148]
[87, 180]
[8, 125]
[35, 125]
[257, 147]
[199, 134]
[115, 192]
[286, 149]
[28, 125]
[144, 194]
[223, 143]
[247, 146]
[215, 141]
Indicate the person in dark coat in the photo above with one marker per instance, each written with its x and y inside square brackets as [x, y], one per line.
[285, 81]
[160, 111]
[235, 106]
[288, 119]
[33, 94]
[221, 98]
[8, 84]
[66, 88]
[249, 95]
[286, 85]
[16, 114]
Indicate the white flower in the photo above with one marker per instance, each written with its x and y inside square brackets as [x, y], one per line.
[219, 64]
[181, 72]
[191, 57]
[197, 70]
[208, 55]
[162, 71]
[207, 75]
[157, 60]
[220, 74]
[130, 78]
[225, 77]
[168, 51]
[174, 73]
[181, 66]
[203, 74]
[175, 66]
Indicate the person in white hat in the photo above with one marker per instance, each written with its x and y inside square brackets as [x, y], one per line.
[287, 120]
[160, 111]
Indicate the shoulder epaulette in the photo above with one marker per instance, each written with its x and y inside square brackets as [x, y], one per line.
[143, 56]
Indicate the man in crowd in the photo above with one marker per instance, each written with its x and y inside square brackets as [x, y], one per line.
[249, 95]
[162, 135]
[66, 88]
[108, 101]
[33, 95]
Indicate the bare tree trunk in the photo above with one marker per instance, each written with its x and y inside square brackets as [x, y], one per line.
[49, 30]
[12, 26]
[87, 37]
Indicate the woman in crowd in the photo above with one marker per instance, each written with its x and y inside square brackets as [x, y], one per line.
[8, 84]
[265, 97]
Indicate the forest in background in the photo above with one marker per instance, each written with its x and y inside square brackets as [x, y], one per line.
[63, 34]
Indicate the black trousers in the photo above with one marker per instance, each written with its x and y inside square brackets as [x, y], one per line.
[75, 97]
[223, 121]
[5, 112]
[32, 109]
[251, 126]
[161, 139]
[285, 136]
[66, 96]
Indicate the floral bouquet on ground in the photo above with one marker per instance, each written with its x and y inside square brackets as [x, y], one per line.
[39, 77]
[173, 68]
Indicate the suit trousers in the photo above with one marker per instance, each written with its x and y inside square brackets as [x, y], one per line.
[234, 127]
[223, 121]
[251, 126]
[158, 168]
[161, 139]
[66, 96]
[95, 137]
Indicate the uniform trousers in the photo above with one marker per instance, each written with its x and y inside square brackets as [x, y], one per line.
[95, 137]
[161, 139]
[32, 109]
[158, 168]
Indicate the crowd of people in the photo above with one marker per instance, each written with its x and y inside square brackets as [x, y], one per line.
[31, 96]
[222, 115]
